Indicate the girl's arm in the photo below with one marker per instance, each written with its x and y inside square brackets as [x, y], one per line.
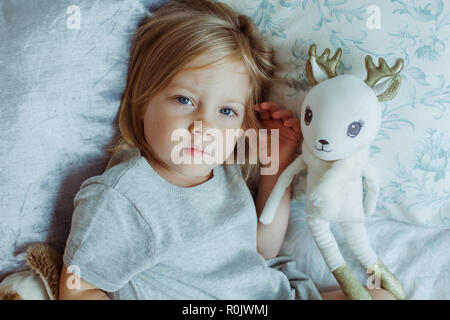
[376, 294]
[270, 236]
[85, 290]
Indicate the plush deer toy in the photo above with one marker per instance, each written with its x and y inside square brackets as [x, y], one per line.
[340, 117]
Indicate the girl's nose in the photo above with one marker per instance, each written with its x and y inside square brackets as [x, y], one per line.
[199, 127]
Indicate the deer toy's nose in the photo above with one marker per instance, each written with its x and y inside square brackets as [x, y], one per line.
[323, 142]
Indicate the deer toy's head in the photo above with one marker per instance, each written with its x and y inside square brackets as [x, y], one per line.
[341, 114]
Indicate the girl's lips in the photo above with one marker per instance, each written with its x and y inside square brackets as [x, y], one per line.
[196, 151]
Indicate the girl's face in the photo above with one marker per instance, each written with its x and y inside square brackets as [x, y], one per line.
[214, 98]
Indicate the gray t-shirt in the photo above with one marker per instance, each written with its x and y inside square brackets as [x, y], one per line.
[137, 236]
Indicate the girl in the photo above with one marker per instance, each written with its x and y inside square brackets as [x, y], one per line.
[152, 227]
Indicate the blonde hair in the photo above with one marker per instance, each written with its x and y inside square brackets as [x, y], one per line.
[171, 37]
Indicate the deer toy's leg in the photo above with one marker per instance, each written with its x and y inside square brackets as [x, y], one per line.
[320, 229]
[356, 236]
[388, 280]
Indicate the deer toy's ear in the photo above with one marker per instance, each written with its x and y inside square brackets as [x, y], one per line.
[321, 68]
[384, 80]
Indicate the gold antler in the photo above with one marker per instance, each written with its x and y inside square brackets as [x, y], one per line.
[375, 73]
[329, 65]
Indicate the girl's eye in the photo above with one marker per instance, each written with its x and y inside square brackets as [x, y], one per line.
[228, 113]
[184, 100]
[354, 128]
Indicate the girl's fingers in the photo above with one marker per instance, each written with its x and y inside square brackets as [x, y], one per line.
[272, 110]
[283, 114]
[269, 106]
[265, 115]
[294, 123]
[276, 111]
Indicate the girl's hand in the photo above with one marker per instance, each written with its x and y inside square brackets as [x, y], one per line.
[290, 135]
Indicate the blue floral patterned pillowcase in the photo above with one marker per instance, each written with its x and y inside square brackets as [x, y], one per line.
[412, 149]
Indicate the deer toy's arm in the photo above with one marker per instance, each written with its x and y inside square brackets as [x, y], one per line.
[284, 180]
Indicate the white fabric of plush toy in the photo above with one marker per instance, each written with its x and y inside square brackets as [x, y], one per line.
[340, 118]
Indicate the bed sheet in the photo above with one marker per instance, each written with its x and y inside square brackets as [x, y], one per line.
[418, 256]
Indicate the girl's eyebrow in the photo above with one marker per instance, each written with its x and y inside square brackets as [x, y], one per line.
[175, 86]
[230, 100]
[238, 103]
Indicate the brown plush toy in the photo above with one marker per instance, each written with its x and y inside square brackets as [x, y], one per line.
[40, 282]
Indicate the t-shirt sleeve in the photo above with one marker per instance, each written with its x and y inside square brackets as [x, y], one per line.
[109, 241]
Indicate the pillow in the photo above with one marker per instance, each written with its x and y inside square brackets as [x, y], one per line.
[412, 150]
[62, 72]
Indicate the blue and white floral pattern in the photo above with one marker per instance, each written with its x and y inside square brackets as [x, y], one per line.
[412, 149]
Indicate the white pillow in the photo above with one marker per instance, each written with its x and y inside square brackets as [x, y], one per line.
[412, 150]
[63, 68]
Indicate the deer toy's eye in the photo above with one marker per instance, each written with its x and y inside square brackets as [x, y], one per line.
[354, 128]
[308, 115]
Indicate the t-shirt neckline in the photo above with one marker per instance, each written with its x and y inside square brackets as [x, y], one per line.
[217, 177]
